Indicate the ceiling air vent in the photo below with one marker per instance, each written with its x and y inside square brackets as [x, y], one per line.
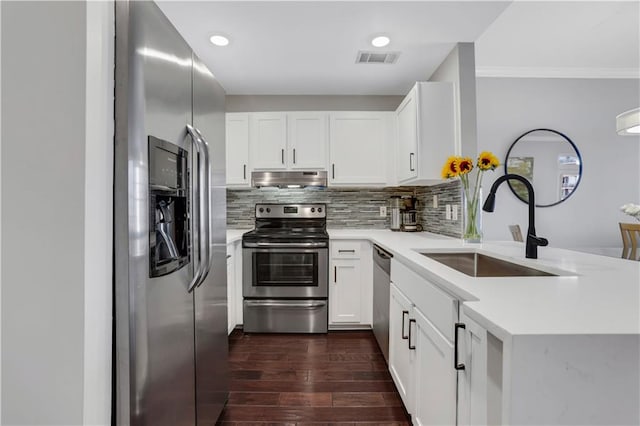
[377, 57]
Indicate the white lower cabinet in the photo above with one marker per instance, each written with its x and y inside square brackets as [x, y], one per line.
[350, 284]
[234, 285]
[474, 391]
[231, 303]
[347, 291]
[434, 377]
[399, 354]
[426, 344]
[238, 282]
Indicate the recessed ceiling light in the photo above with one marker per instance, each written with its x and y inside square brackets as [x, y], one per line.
[219, 40]
[380, 41]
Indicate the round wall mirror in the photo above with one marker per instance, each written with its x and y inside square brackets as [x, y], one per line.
[551, 162]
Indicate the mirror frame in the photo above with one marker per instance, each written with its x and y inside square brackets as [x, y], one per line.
[573, 145]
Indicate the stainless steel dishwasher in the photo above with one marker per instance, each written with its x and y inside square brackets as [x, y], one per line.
[381, 289]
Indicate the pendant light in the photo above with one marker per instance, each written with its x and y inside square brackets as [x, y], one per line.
[628, 123]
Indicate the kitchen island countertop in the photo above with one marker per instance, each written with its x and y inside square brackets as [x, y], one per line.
[593, 294]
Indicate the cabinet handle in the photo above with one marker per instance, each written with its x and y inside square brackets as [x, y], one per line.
[333, 171]
[335, 274]
[456, 365]
[282, 155]
[346, 251]
[294, 156]
[244, 171]
[402, 334]
[411, 169]
[413, 348]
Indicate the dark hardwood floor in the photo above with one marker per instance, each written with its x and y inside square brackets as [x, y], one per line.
[338, 378]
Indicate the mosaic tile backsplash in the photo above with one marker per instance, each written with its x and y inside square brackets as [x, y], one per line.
[350, 207]
[434, 219]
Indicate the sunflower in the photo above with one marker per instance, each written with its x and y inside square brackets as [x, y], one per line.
[450, 169]
[487, 161]
[465, 165]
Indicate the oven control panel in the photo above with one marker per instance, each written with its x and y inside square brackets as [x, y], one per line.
[296, 211]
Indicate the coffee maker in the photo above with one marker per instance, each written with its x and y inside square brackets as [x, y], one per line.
[409, 214]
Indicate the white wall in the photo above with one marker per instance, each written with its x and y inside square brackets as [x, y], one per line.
[253, 103]
[98, 232]
[56, 155]
[584, 110]
[459, 68]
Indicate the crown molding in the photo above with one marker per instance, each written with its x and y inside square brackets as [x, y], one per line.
[557, 72]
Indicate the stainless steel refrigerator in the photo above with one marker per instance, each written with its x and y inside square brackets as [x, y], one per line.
[171, 342]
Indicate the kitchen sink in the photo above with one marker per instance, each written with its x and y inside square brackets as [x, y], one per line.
[480, 265]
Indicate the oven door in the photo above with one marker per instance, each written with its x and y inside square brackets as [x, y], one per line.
[291, 272]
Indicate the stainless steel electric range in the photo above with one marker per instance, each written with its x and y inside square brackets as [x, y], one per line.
[286, 270]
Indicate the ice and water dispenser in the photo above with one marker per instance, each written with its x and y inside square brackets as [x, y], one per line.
[168, 207]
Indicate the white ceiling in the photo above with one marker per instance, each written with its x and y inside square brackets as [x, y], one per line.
[310, 47]
[563, 39]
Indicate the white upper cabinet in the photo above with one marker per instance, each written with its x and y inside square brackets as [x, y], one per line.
[358, 148]
[426, 133]
[407, 137]
[288, 140]
[308, 142]
[268, 140]
[237, 149]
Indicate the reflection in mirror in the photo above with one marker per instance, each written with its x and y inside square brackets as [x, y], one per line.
[551, 162]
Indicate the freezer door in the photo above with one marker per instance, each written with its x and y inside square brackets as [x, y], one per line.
[212, 376]
[155, 346]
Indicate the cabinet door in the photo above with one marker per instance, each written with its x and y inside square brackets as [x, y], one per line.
[407, 137]
[399, 360]
[237, 149]
[472, 381]
[434, 390]
[268, 140]
[345, 292]
[231, 289]
[357, 145]
[237, 257]
[308, 140]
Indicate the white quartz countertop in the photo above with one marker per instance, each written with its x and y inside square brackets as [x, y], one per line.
[234, 235]
[594, 294]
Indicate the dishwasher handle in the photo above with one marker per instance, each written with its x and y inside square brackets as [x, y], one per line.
[382, 252]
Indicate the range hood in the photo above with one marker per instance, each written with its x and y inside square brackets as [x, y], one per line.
[289, 179]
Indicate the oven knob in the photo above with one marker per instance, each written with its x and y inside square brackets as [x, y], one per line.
[313, 209]
[268, 210]
[319, 209]
[261, 210]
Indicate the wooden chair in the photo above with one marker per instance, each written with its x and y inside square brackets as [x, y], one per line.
[516, 233]
[630, 240]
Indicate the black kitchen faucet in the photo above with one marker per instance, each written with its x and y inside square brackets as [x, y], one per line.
[533, 241]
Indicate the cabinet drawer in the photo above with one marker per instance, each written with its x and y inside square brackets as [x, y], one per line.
[440, 308]
[345, 249]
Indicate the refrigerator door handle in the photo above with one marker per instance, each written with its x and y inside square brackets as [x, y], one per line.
[197, 199]
[205, 207]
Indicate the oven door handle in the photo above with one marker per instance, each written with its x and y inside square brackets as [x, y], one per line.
[283, 304]
[278, 245]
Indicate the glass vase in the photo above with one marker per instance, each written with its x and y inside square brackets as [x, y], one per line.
[472, 217]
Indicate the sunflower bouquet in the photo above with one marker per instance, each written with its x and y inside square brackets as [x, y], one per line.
[461, 167]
